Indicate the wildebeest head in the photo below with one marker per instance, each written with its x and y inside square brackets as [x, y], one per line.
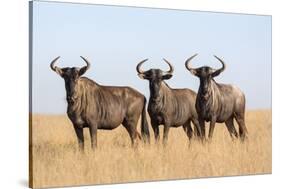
[70, 76]
[205, 73]
[155, 76]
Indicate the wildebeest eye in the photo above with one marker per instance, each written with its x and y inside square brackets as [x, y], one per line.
[64, 74]
[147, 76]
[144, 76]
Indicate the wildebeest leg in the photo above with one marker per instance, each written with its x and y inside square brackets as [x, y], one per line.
[80, 136]
[166, 133]
[197, 128]
[155, 128]
[196, 131]
[231, 129]
[188, 129]
[242, 127]
[202, 127]
[139, 135]
[93, 133]
[212, 127]
[130, 126]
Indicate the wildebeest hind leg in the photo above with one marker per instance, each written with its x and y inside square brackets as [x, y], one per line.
[230, 127]
[242, 127]
[188, 129]
[139, 136]
[197, 128]
[130, 126]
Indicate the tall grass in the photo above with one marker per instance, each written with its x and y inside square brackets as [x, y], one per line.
[58, 162]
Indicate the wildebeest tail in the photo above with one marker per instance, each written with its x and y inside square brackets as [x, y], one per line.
[144, 125]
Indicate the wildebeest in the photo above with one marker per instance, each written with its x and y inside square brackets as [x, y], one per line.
[218, 102]
[101, 107]
[167, 106]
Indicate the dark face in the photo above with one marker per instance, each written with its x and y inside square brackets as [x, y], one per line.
[205, 75]
[70, 76]
[155, 77]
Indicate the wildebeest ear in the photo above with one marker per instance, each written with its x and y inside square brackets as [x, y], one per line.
[142, 75]
[193, 72]
[167, 76]
[58, 71]
[216, 73]
[83, 70]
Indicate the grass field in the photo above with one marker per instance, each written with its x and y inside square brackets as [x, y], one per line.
[57, 161]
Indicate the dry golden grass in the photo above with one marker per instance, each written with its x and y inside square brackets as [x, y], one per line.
[57, 161]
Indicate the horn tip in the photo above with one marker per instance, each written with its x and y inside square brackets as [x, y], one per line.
[83, 57]
[216, 57]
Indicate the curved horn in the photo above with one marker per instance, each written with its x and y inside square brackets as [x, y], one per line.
[187, 62]
[87, 62]
[52, 65]
[138, 68]
[223, 65]
[170, 65]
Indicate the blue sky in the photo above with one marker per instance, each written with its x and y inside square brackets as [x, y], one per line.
[114, 39]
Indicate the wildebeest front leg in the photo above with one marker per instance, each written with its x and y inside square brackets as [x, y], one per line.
[202, 127]
[80, 136]
[166, 133]
[155, 128]
[93, 133]
[212, 128]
